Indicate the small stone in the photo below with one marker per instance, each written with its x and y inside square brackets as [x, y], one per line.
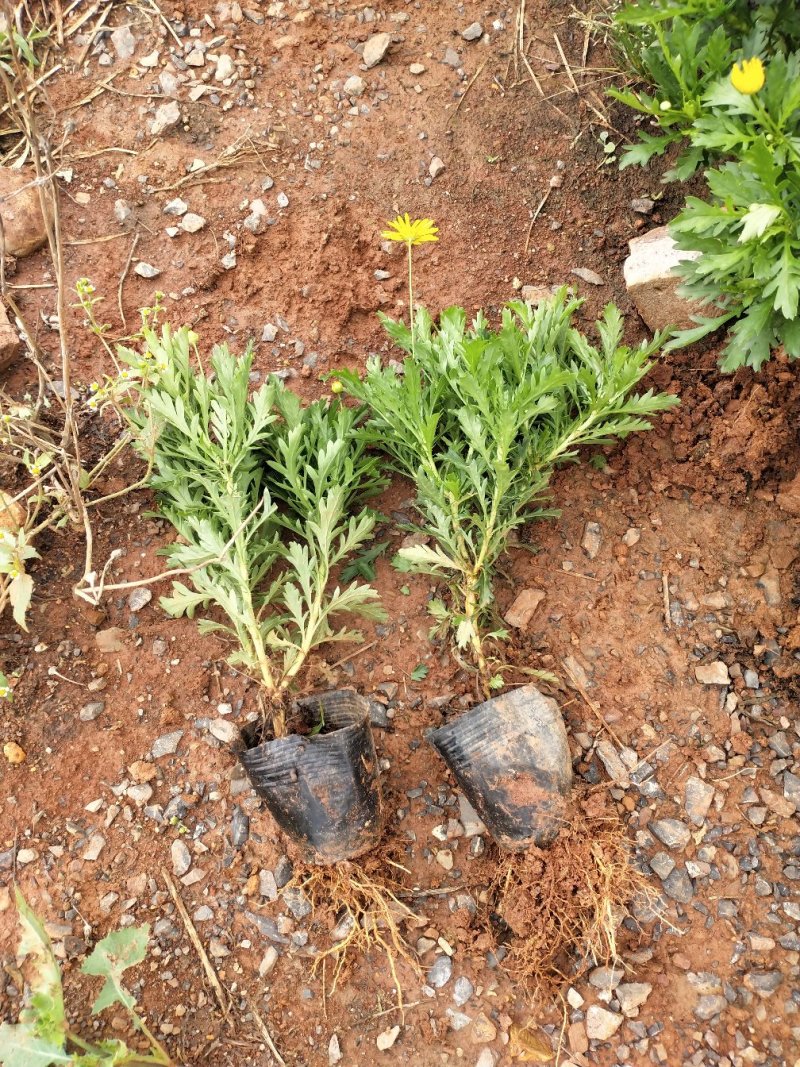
[24, 227]
[522, 610]
[203, 914]
[715, 673]
[671, 832]
[176, 207]
[354, 86]
[217, 949]
[587, 275]
[334, 1052]
[678, 886]
[469, 818]
[181, 858]
[615, 768]
[224, 731]
[631, 537]
[487, 1058]
[710, 1005]
[123, 42]
[592, 539]
[94, 847]
[436, 167]
[192, 223]
[283, 872]
[90, 712]
[473, 32]
[375, 49]
[642, 205]
[452, 58]
[483, 1030]
[606, 977]
[146, 270]
[416, 68]
[167, 116]
[267, 886]
[268, 962]
[441, 972]
[697, 797]
[663, 864]
[631, 996]
[386, 1039]
[763, 984]
[225, 67]
[283, 200]
[791, 788]
[139, 598]
[297, 903]
[26, 855]
[139, 794]
[601, 1024]
[240, 827]
[122, 211]
[444, 857]
[269, 332]
[166, 744]
[457, 1019]
[462, 991]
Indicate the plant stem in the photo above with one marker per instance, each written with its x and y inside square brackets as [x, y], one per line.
[411, 301]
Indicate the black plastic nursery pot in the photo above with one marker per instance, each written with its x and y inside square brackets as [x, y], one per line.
[322, 789]
[511, 759]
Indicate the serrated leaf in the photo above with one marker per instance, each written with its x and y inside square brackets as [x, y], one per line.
[420, 672]
[46, 996]
[759, 218]
[22, 1046]
[111, 958]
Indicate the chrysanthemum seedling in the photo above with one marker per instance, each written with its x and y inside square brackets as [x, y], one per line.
[267, 498]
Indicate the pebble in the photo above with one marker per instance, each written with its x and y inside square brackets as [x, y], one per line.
[139, 598]
[710, 1005]
[663, 864]
[715, 673]
[146, 270]
[678, 886]
[593, 278]
[167, 116]
[462, 991]
[642, 205]
[763, 983]
[452, 58]
[334, 1051]
[483, 1029]
[181, 858]
[671, 832]
[631, 996]
[457, 1019]
[615, 768]
[444, 857]
[297, 903]
[441, 972]
[94, 847]
[192, 223]
[123, 42]
[166, 745]
[486, 1059]
[224, 731]
[267, 886]
[416, 68]
[375, 49]
[791, 788]
[592, 538]
[283, 872]
[283, 200]
[473, 32]
[89, 712]
[26, 855]
[606, 977]
[176, 207]
[436, 167]
[697, 799]
[203, 914]
[386, 1039]
[269, 960]
[139, 794]
[240, 827]
[354, 86]
[601, 1024]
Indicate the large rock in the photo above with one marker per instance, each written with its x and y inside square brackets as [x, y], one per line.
[24, 228]
[652, 282]
[10, 344]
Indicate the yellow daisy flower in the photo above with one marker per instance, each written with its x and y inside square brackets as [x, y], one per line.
[748, 76]
[418, 232]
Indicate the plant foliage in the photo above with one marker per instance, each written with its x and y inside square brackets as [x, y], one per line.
[480, 418]
[42, 1036]
[267, 499]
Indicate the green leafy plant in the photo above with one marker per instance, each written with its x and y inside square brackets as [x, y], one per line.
[43, 1035]
[266, 496]
[748, 233]
[479, 419]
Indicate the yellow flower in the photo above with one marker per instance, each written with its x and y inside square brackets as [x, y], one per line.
[336, 387]
[748, 76]
[411, 233]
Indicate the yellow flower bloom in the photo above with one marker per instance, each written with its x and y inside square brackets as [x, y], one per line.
[411, 233]
[748, 76]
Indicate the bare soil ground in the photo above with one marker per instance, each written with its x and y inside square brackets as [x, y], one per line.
[697, 563]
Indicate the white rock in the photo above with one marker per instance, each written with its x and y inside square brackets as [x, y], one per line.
[196, 58]
[715, 673]
[139, 598]
[592, 539]
[166, 116]
[192, 223]
[354, 86]
[385, 1040]
[225, 67]
[437, 167]
[602, 1024]
[146, 270]
[417, 68]
[473, 32]
[334, 1052]
[224, 731]
[122, 211]
[487, 1058]
[376, 48]
[268, 962]
[181, 857]
[631, 996]
[123, 42]
[150, 61]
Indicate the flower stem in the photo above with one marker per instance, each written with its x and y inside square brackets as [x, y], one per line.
[411, 300]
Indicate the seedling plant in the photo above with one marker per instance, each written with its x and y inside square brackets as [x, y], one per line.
[480, 418]
[43, 1035]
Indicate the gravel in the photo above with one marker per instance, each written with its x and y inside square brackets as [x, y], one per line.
[441, 972]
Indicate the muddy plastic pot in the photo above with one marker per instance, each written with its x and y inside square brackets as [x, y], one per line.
[322, 789]
[511, 759]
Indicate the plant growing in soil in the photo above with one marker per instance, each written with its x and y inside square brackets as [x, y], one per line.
[480, 418]
[266, 497]
[43, 1035]
[748, 234]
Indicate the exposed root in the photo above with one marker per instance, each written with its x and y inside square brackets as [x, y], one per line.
[558, 910]
[364, 914]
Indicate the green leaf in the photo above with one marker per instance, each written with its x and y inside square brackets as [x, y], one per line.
[111, 958]
[758, 218]
[420, 672]
[22, 1046]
